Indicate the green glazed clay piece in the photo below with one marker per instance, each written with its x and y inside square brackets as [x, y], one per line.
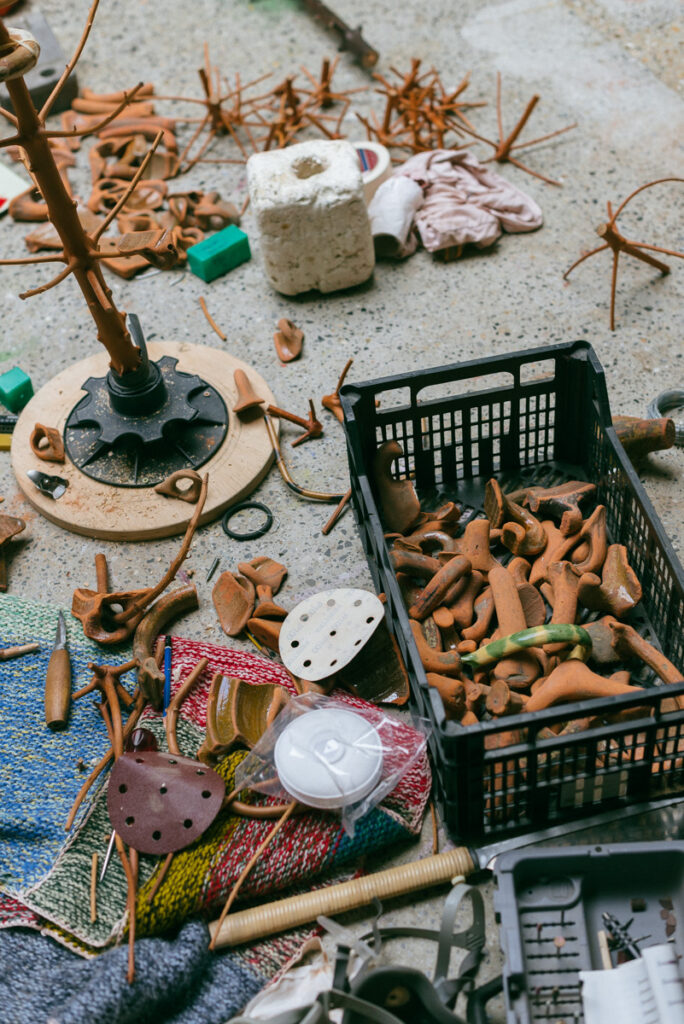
[534, 637]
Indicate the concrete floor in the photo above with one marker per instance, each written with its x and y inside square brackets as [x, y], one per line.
[609, 65]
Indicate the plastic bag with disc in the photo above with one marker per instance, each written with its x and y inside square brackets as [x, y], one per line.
[332, 754]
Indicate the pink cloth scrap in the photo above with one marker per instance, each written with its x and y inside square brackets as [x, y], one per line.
[465, 202]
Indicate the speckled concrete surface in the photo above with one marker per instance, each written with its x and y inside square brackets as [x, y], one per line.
[611, 66]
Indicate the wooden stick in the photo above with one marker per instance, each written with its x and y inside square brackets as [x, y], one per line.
[248, 867]
[93, 889]
[337, 513]
[18, 652]
[210, 319]
[160, 877]
[604, 950]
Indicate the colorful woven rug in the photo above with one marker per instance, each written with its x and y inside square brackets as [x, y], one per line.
[310, 845]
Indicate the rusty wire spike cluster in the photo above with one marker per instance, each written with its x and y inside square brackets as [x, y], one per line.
[614, 240]
[269, 120]
[420, 114]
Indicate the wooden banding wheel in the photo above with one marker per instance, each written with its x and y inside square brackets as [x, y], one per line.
[123, 513]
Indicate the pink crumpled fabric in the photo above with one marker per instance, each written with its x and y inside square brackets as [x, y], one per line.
[465, 201]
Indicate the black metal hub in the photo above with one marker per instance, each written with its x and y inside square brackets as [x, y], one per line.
[137, 429]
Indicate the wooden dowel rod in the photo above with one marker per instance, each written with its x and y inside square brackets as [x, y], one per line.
[282, 915]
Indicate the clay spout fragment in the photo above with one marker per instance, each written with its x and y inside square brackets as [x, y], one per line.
[441, 582]
[399, 502]
[617, 591]
[522, 669]
[453, 694]
[565, 585]
[501, 700]
[522, 533]
[414, 564]
[248, 400]
[462, 609]
[484, 612]
[47, 443]
[573, 680]
[474, 545]
[593, 531]
[562, 501]
[444, 621]
[557, 548]
[288, 341]
[446, 663]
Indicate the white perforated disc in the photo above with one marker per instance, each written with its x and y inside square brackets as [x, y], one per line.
[329, 758]
[323, 633]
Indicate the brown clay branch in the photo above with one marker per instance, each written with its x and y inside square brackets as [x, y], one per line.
[210, 320]
[131, 188]
[47, 106]
[62, 276]
[79, 133]
[173, 709]
[9, 117]
[250, 864]
[170, 574]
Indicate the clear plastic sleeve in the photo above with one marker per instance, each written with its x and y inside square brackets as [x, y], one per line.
[333, 754]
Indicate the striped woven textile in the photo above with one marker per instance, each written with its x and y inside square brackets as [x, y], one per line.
[311, 846]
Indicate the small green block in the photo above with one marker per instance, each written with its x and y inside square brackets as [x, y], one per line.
[219, 253]
[15, 389]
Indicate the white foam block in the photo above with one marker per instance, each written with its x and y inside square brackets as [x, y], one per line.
[310, 209]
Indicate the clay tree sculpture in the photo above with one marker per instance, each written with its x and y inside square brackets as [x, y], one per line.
[614, 240]
[117, 409]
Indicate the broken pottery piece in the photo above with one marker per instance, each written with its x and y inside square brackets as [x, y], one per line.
[171, 487]
[288, 341]
[238, 713]
[399, 504]
[264, 572]
[617, 591]
[594, 533]
[248, 400]
[233, 598]
[96, 611]
[47, 443]
[562, 501]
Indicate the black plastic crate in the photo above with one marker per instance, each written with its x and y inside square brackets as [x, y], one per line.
[540, 416]
[546, 895]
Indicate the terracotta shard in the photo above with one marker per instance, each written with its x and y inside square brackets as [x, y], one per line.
[332, 402]
[266, 631]
[233, 598]
[288, 341]
[474, 544]
[617, 591]
[573, 680]
[96, 613]
[47, 443]
[594, 533]
[238, 714]
[171, 487]
[399, 502]
[456, 568]
[248, 400]
[264, 572]
[562, 501]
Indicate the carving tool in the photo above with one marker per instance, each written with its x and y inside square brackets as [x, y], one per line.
[58, 681]
[167, 672]
[291, 912]
[53, 486]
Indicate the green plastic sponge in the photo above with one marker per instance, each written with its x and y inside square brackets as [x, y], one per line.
[15, 389]
[219, 253]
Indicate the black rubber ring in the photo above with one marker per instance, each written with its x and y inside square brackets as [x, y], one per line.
[253, 534]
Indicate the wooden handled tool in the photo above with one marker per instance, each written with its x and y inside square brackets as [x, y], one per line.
[248, 925]
[58, 681]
